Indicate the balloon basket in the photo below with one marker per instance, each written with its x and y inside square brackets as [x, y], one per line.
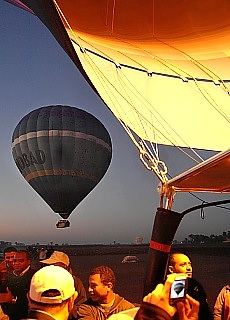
[63, 224]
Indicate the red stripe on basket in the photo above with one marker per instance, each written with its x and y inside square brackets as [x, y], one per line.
[159, 246]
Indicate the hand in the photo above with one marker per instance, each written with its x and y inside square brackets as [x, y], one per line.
[3, 266]
[160, 295]
[189, 309]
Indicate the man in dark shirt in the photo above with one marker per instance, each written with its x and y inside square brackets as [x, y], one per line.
[18, 283]
[180, 263]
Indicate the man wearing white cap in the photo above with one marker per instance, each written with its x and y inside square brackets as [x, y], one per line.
[52, 294]
[61, 259]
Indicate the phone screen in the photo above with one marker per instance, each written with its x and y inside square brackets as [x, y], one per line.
[178, 289]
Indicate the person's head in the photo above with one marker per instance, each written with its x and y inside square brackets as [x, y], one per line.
[180, 263]
[101, 284]
[59, 259]
[8, 256]
[21, 261]
[52, 290]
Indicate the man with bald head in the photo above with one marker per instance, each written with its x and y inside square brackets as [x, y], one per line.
[181, 263]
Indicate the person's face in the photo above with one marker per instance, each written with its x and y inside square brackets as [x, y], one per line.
[97, 290]
[8, 258]
[182, 264]
[20, 262]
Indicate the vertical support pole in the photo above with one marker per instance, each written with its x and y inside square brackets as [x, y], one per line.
[165, 226]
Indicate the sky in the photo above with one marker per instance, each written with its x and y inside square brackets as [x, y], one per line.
[36, 72]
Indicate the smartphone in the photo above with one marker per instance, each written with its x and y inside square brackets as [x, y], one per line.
[178, 289]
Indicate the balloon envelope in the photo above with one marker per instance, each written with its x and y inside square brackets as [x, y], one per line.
[162, 67]
[62, 152]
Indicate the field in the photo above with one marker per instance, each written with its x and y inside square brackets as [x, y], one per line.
[210, 266]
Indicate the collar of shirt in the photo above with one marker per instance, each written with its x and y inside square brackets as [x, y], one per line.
[23, 272]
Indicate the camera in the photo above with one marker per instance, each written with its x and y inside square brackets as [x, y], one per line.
[178, 289]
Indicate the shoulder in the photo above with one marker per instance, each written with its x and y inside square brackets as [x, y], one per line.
[31, 271]
[28, 275]
[122, 303]
[225, 291]
[10, 277]
[89, 309]
[77, 281]
[193, 282]
[195, 286]
[38, 314]
[125, 315]
[89, 302]
[227, 287]
[149, 311]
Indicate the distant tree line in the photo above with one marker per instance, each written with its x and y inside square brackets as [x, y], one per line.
[201, 238]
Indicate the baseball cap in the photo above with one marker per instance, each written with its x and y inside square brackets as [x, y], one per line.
[51, 278]
[57, 256]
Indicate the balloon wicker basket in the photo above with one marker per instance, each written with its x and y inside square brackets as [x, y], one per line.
[63, 224]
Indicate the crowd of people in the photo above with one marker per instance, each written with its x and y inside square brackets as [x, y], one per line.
[54, 292]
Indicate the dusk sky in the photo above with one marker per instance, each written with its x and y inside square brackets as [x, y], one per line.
[36, 72]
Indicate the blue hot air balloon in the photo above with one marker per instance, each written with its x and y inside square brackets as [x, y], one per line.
[62, 152]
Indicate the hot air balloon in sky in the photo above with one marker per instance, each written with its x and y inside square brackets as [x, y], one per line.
[162, 68]
[178, 287]
[63, 152]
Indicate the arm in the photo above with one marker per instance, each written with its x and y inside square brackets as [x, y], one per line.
[6, 297]
[218, 307]
[87, 312]
[3, 272]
